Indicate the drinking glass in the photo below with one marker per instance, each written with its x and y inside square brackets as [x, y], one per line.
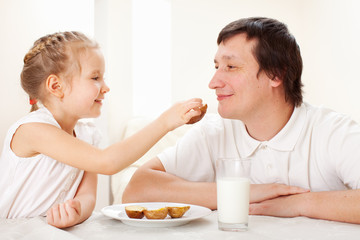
[233, 193]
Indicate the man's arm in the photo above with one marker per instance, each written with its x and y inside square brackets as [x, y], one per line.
[152, 183]
[340, 206]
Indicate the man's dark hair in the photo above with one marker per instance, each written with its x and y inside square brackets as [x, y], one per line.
[276, 52]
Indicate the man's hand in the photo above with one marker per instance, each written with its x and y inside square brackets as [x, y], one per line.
[339, 206]
[285, 206]
[275, 200]
[65, 214]
[262, 192]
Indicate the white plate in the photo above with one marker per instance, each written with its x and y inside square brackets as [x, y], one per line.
[118, 212]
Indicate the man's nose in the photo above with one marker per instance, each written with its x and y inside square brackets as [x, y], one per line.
[217, 80]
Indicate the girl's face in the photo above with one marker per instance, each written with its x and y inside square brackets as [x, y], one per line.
[85, 95]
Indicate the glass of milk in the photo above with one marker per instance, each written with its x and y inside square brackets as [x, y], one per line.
[233, 193]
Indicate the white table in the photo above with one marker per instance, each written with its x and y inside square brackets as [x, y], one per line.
[99, 226]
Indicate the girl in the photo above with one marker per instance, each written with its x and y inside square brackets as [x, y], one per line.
[49, 162]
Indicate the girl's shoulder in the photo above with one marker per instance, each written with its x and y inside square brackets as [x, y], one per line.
[41, 115]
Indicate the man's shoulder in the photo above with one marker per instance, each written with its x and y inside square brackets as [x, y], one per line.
[322, 111]
[325, 116]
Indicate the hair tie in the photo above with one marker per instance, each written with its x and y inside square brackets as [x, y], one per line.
[33, 101]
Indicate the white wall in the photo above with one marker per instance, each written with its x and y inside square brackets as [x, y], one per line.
[329, 37]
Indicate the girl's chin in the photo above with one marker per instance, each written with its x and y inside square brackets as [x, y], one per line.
[94, 114]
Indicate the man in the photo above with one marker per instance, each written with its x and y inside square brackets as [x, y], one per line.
[306, 160]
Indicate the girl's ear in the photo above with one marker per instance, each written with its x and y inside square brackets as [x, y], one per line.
[54, 86]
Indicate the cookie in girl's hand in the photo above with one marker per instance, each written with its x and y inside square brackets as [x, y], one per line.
[198, 118]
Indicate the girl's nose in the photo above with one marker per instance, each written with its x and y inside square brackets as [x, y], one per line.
[105, 88]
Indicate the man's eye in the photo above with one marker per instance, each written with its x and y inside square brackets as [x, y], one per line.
[95, 78]
[231, 67]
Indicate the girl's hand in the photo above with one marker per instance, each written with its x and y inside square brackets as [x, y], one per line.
[65, 214]
[181, 113]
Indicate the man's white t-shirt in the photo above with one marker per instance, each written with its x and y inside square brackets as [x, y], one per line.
[318, 149]
[30, 186]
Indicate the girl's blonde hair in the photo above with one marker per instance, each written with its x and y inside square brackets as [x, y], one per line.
[51, 54]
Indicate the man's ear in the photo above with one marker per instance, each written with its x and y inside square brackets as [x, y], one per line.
[276, 82]
[54, 85]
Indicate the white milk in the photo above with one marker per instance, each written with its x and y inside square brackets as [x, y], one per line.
[233, 200]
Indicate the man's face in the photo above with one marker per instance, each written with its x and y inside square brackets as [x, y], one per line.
[241, 92]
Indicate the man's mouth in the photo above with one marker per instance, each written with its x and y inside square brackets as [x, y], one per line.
[221, 97]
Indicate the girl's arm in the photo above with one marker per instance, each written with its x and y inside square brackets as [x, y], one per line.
[75, 210]
[35, 138]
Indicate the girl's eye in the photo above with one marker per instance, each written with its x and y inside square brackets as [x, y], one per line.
[95, 78]
[216, 67]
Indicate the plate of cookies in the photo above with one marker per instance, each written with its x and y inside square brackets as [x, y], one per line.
[155, 214]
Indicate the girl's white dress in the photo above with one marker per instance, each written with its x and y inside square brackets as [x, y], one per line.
[30, 186]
